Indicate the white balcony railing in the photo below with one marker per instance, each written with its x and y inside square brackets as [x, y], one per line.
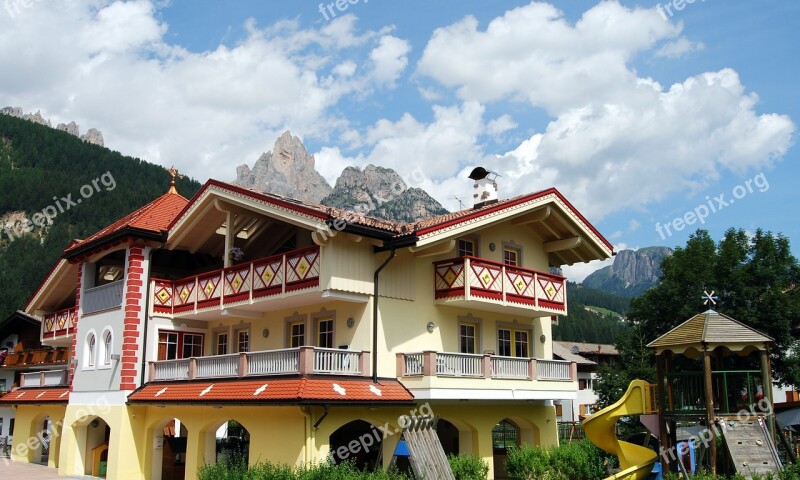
[510, 367]
[339, 362]
[446, 364]
[552, 370]
[299, 361]
[459, 365]
[218, 366]
[46, 378]
[274, 362]
[170, 370]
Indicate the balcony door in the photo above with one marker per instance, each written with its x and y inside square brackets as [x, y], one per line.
[176, 345]
[513, 343]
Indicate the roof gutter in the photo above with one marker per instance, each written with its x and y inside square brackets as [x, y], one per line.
[375, 296]
[118, 235]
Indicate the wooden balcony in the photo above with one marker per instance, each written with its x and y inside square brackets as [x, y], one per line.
[239, 286]
[60, 325]
[38, 357]
[450, 376]
[477, 283]
[46, 378]
[289, 361]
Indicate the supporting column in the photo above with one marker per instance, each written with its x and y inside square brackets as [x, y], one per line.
[662, 419]
[766, 389]
[228, 239]
[710, 407]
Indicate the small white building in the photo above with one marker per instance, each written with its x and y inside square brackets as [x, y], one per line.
[588, 357]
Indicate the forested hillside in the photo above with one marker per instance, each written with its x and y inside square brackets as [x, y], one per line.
[584, 322]
[40, 168]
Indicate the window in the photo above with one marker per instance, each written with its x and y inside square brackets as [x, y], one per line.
[297, 334]
[3, 385]
[91, 350]
[222, 344]
[559, 410]
[468, 338]
[466, 248]
[1, 427]
[175, 345]
[325, 333]
[513, 343]
[504, 436]
[511, 256]
[581, 384]
[192, 345]
[242, 341]
[108, 342]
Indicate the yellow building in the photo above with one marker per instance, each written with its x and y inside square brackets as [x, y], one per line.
[246, 323]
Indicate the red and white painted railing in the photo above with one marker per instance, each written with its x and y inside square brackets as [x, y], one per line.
[445, 364]
[246, 282]
[287, 361]
[477, 279]
[60, 323]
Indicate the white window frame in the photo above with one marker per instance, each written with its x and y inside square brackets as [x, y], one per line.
[90, 351]
[106, 348]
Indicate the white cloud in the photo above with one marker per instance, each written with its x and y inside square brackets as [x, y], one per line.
[390, 58]
[679, 48]
[579, 271]
[634, 225]
[500, 125]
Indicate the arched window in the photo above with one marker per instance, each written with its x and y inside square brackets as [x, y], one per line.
[91, 350]
[108, 339]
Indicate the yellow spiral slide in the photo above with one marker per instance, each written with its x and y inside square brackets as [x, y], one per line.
[635, 461]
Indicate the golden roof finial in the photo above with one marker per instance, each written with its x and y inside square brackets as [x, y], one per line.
[173, 172]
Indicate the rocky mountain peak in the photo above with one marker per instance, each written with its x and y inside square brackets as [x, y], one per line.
[632, 273]
[288, 170]
[93, 135]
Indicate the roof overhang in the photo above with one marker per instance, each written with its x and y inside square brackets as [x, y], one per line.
[568, 236]
[56, 287]
[37, 396]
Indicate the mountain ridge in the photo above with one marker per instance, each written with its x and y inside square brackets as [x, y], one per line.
[632, 273]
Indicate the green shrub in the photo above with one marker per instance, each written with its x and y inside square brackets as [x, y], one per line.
[236, 469]
[468, 467]
[576, 460]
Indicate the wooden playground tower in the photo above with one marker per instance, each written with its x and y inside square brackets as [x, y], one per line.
[717, 392]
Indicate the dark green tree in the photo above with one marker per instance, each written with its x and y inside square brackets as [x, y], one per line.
[755, 278]
[635, 361]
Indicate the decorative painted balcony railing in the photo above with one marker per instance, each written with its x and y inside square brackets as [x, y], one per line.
[243, 283]
[471, 278]
[288, 361]
[441, 364]
[60, 323]
[46, 378]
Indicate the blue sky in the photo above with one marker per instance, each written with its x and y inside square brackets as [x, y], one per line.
[635, 115]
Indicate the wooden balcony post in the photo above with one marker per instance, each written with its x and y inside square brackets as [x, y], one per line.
[283, 281]
[486, 365]
[536, 288]
[252, 282]
[192, 368]
[242, 364]
[401, 365]
[196, 292]
[429, 363]
[41, 379]
[151, 366]
[466, 274]
[306, 360]
[573, 371]
[503, 282]
[532, 369]
[364, 363]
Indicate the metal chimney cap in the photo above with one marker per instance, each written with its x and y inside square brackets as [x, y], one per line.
[479, 173]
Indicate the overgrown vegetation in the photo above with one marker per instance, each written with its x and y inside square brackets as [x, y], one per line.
[585, 325]
[237, 469]
[38, 163]
[571, 461]
[468, 467]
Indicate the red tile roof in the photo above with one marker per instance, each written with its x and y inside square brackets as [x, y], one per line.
[275, 390]
[154, 217]
[36, 396]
